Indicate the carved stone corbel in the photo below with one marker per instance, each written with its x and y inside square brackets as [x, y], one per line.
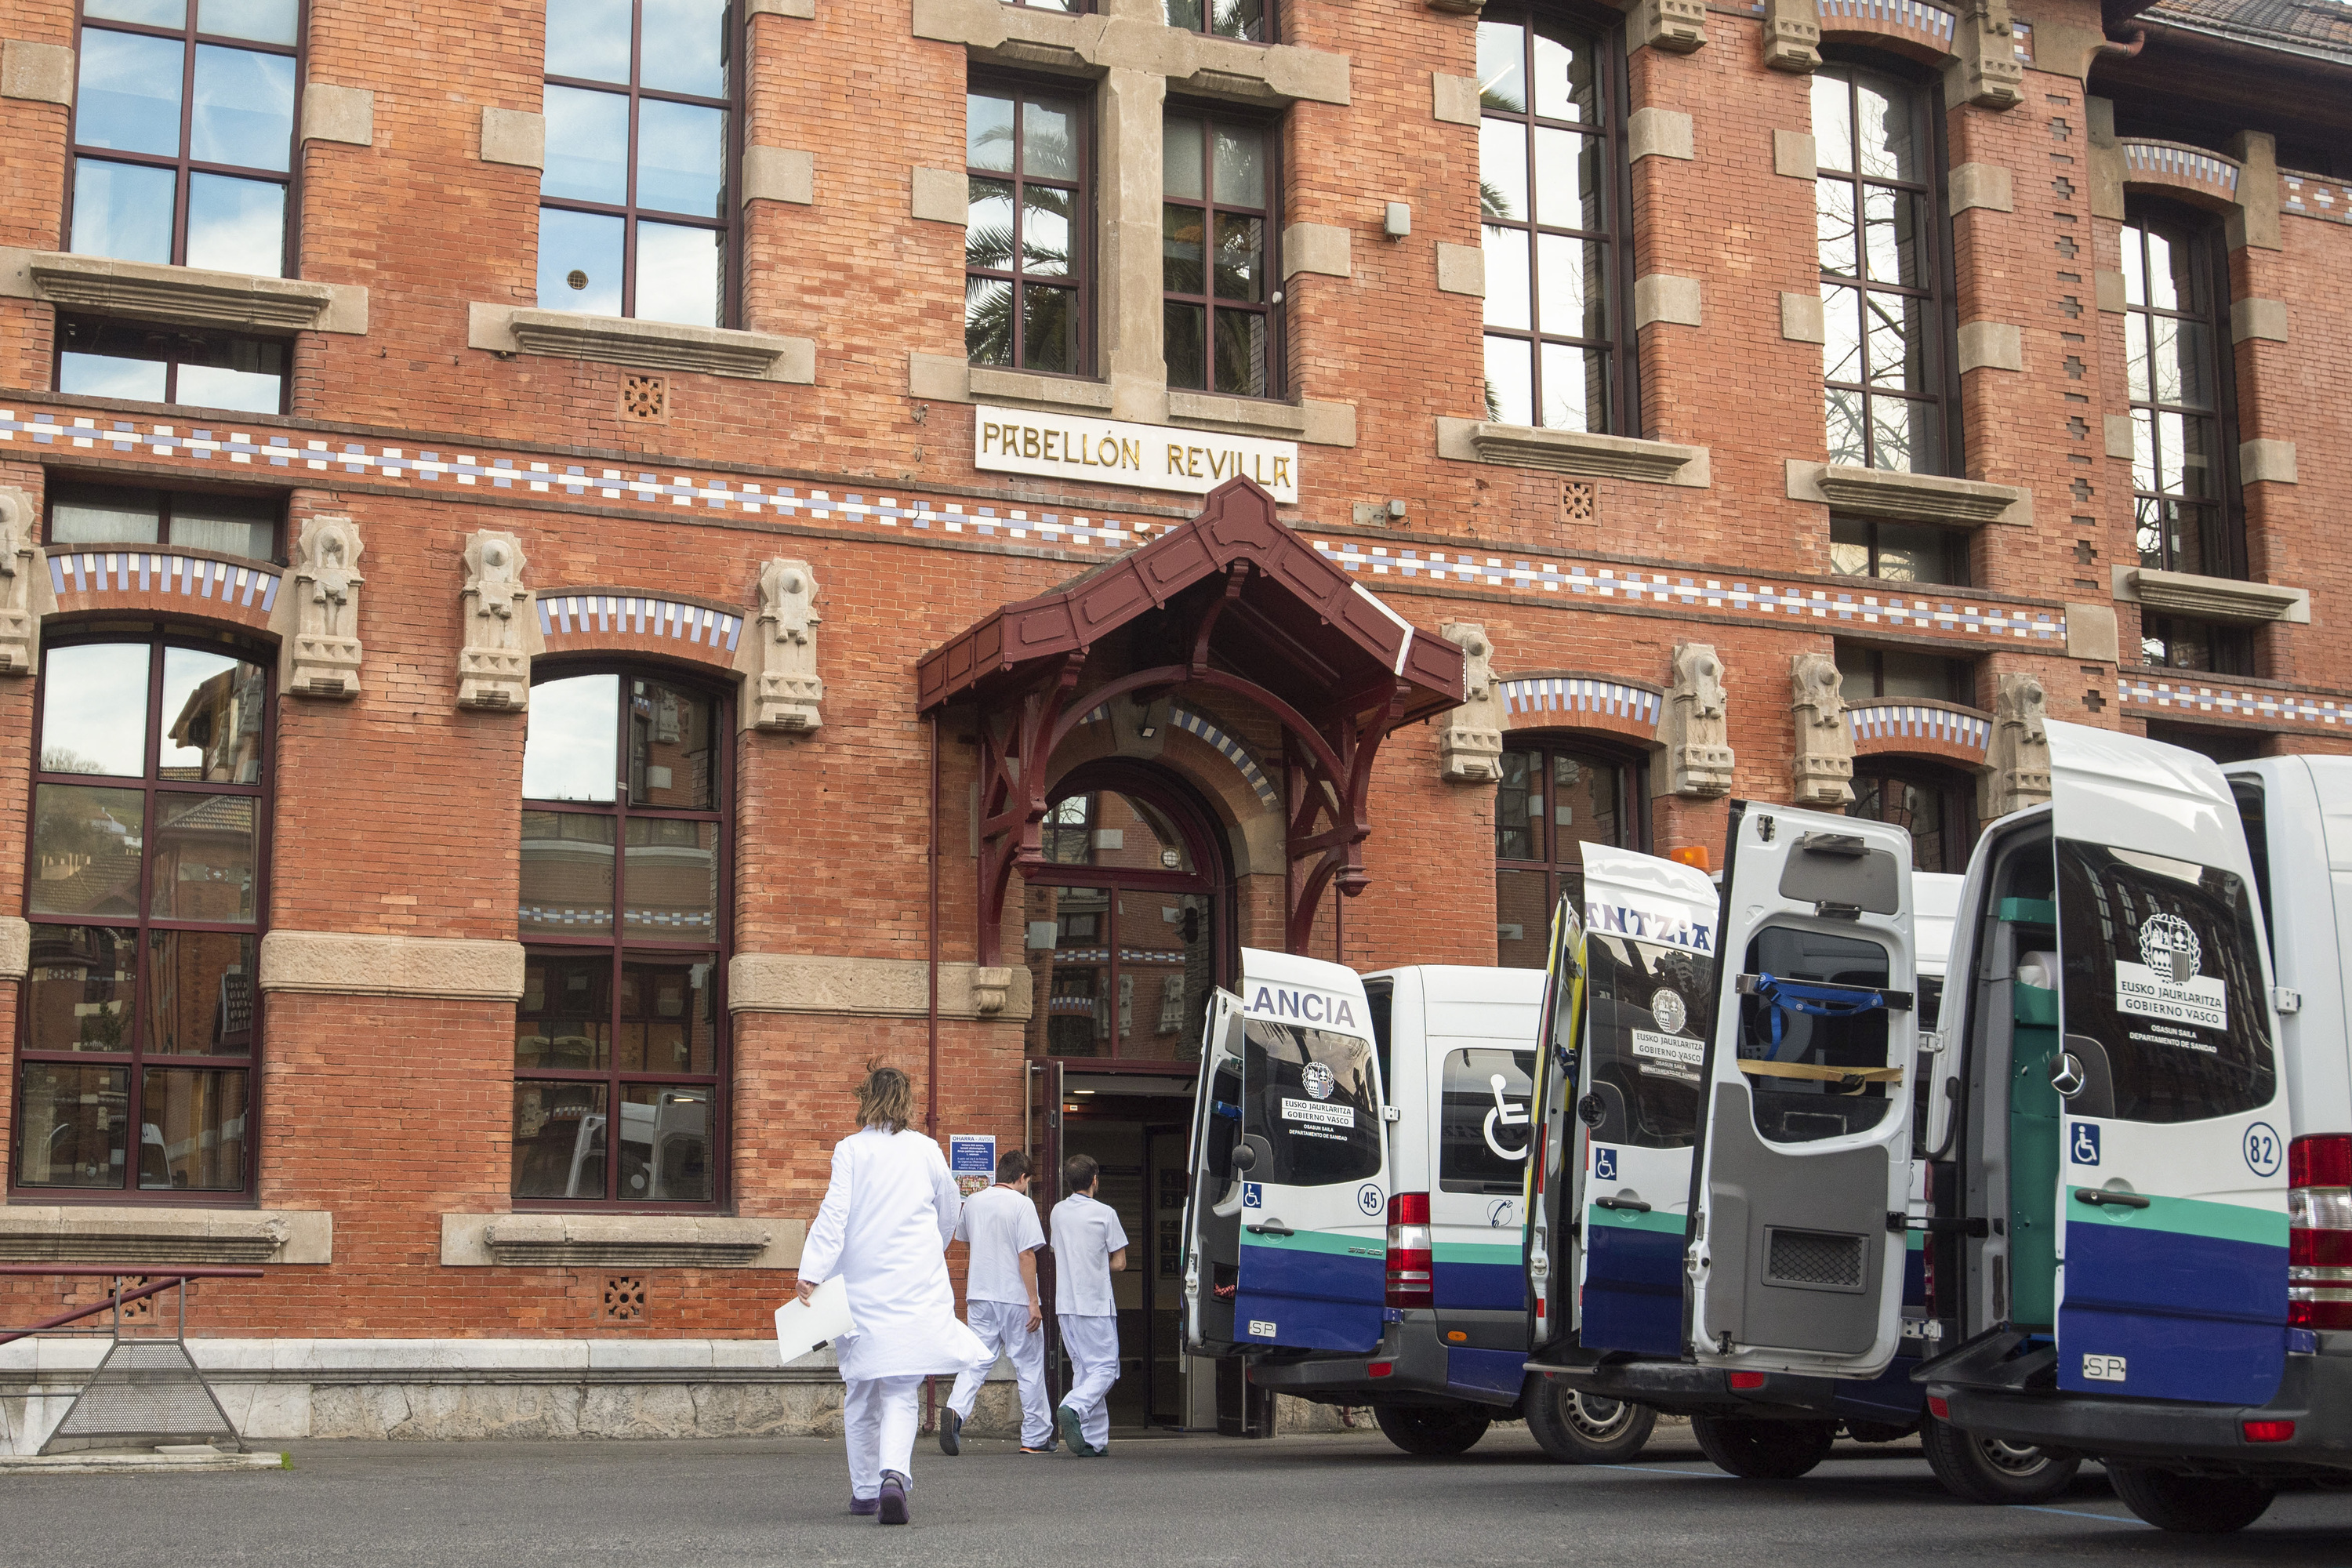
[1988, 74]
[1676, 26]
[23, 585]
[990, 986]
[1695, 727]
[790, 689]
[494, 667]
[1792, 36]
[2018, 773]
[322, 658]
[1821, 770]
[1470, 747]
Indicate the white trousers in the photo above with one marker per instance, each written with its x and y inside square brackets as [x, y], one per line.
[1093, 1345]
[1004, 1326]
[879, 1417]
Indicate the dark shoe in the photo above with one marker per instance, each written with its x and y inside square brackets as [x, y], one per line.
[1050, 1444]
[1066, 1419]
[865, 1507]
[893, 1500]
[951, 1433]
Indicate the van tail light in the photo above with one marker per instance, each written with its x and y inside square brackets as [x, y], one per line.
[2319, 1233]
[1941, 1409]
[1410, 1261]
[1746, 1380]
[2269, 1431]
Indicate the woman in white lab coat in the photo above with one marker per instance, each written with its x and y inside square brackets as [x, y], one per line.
[884, 1229]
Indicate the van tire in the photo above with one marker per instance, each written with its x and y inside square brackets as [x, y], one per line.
[1987, 1470]
[1584, 1428]
[1433, 1431]
[2192, 1505]
[1763, 1450]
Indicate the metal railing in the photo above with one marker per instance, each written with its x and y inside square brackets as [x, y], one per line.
[140, 1391]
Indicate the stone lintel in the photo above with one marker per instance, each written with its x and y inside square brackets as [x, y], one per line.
[37, 73]
[129, 1234]
[2120, 435]
[1319, 247]
[514, 136]
[1575, 452]
[1654, 133]
[1793, 154]
[1454, 99]
[1802, 319]
[799, 10]
[1307, 421]
[2212, 598]
[940, 196]
[1461, 269]
[2091, 634]
[1991, 345]
[779, 175]
[640, 344]
[2260, 318]
[193, 296]
[1662, 299]
[15, 946]
[619, 1240]
[349, 964]
[332, 114]
[1918, 497]
[1980, 185]
[2270, 462]
[2108, 288]
[872, 987]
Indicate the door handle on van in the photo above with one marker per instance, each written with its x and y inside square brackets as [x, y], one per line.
[2095, 1196]
[1271, 1227]
[1631, 1205]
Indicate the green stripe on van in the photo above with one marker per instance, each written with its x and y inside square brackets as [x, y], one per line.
[2186, 1217]
[1598, 1218]
[1474, 1252]
[1337, 1243]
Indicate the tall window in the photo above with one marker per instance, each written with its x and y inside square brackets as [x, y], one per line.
[245, 526]
[1935, 806]
[1024, 239]
[1547, 197]
[627, 801]
[140, 1029]
[1883, 298]
[184, 131]
[634, 217]
[2185, 497]
[1217, 258]
[1553, 798]
[1897, 551]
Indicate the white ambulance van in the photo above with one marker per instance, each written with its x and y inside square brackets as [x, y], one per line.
[1457, 1049]
[2154, 1138]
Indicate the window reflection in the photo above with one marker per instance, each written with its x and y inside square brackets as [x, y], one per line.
[212, 715]
[567, 752]
[93, 707]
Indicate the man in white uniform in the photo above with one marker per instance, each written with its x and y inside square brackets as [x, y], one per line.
[1000, 1295]
[883, 1228]
[1089, 1246]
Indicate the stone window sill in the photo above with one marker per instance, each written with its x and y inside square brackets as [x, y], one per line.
[1916, 498]
[2212, 598]
[641, 345]
[1195, 63]
[127, 1233]
[619, 1240]
[943, 378]
[1307, 421]
[1576, 452]
[186, 296]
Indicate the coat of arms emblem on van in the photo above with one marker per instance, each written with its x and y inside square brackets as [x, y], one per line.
[1666, 1008]
[1315, 1079]
[2169, 946]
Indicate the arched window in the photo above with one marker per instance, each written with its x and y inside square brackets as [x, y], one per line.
[1123, 920]
[1936, 805]
[627, 801]
[141, 1028]
[1556, 796]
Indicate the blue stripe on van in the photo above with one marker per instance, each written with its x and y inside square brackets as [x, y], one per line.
[2193, 1317]
[1465, 1286]
[1500, 1371]
[1633, 1289]
[1315, 1300]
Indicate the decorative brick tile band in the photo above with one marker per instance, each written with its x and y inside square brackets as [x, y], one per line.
[1930, 22]
[2315, 195]
[1543, 699]
[1920, 726]
[1232, 750]
[2171, 163]
[2211, 702]
[93, 579]
[565, 614]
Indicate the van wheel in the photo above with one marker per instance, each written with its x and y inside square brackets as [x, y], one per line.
[1763, 1450]
[1987, 1470]
[2193, 1505]
[1578, 1428]
[1432, 1430]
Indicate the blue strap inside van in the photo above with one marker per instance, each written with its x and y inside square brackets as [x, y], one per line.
[1785, 996]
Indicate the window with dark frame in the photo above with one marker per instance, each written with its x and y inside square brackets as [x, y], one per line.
[1934, 805]
[140, 1031]
[1025, 296]
[2175, 323]
[1885, 308]
[636, 216]
[249, 526]
[1897, 551]
[184, 133]
[101, 357]
[1221, 196]
[1251, 21]
[1550, 200]
[627, 804]
[1555, 796]
[1871, 671]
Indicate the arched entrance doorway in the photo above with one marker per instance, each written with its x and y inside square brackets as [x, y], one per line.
[1125, 920]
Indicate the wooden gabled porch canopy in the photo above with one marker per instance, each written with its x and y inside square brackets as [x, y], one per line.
[1232, 601]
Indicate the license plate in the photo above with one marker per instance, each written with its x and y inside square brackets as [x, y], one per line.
[2103, 1368]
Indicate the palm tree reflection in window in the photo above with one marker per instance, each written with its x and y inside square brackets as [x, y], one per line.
[1022, 276]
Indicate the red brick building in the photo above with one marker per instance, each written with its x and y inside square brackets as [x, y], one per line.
[540, 593]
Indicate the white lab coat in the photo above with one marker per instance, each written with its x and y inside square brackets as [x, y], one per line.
[883, 1228]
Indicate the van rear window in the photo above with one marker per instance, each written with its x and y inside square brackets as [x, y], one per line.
[2163, 998]
[1651, 1005]
[1310, 1097]
[1487, 1124]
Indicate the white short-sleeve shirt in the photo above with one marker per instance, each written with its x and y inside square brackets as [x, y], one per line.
[1086, 1233]
[998, 1225]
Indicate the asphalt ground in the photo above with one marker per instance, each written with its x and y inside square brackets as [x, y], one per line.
[1165, 1502]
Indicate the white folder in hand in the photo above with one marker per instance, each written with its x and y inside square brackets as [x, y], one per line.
[803, 1326]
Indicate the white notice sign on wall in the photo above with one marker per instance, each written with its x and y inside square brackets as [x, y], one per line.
[1112, 451]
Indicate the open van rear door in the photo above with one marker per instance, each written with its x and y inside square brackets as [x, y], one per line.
[2172, 1218]
[1285, 1224]
[1798, 1207]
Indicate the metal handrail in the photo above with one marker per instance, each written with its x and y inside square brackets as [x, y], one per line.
[163, 1279]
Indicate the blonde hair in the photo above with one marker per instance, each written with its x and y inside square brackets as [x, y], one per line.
[886, 1100]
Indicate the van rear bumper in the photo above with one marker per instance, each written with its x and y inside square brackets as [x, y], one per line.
[1417, 1374]
[1674, 1388]
[2315, 1393]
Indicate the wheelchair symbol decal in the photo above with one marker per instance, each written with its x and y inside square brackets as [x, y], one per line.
[2084, 1150]
[1604, 1163]
[1504, 1114]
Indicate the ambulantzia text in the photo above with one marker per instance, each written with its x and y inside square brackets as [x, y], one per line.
[1651, 925]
